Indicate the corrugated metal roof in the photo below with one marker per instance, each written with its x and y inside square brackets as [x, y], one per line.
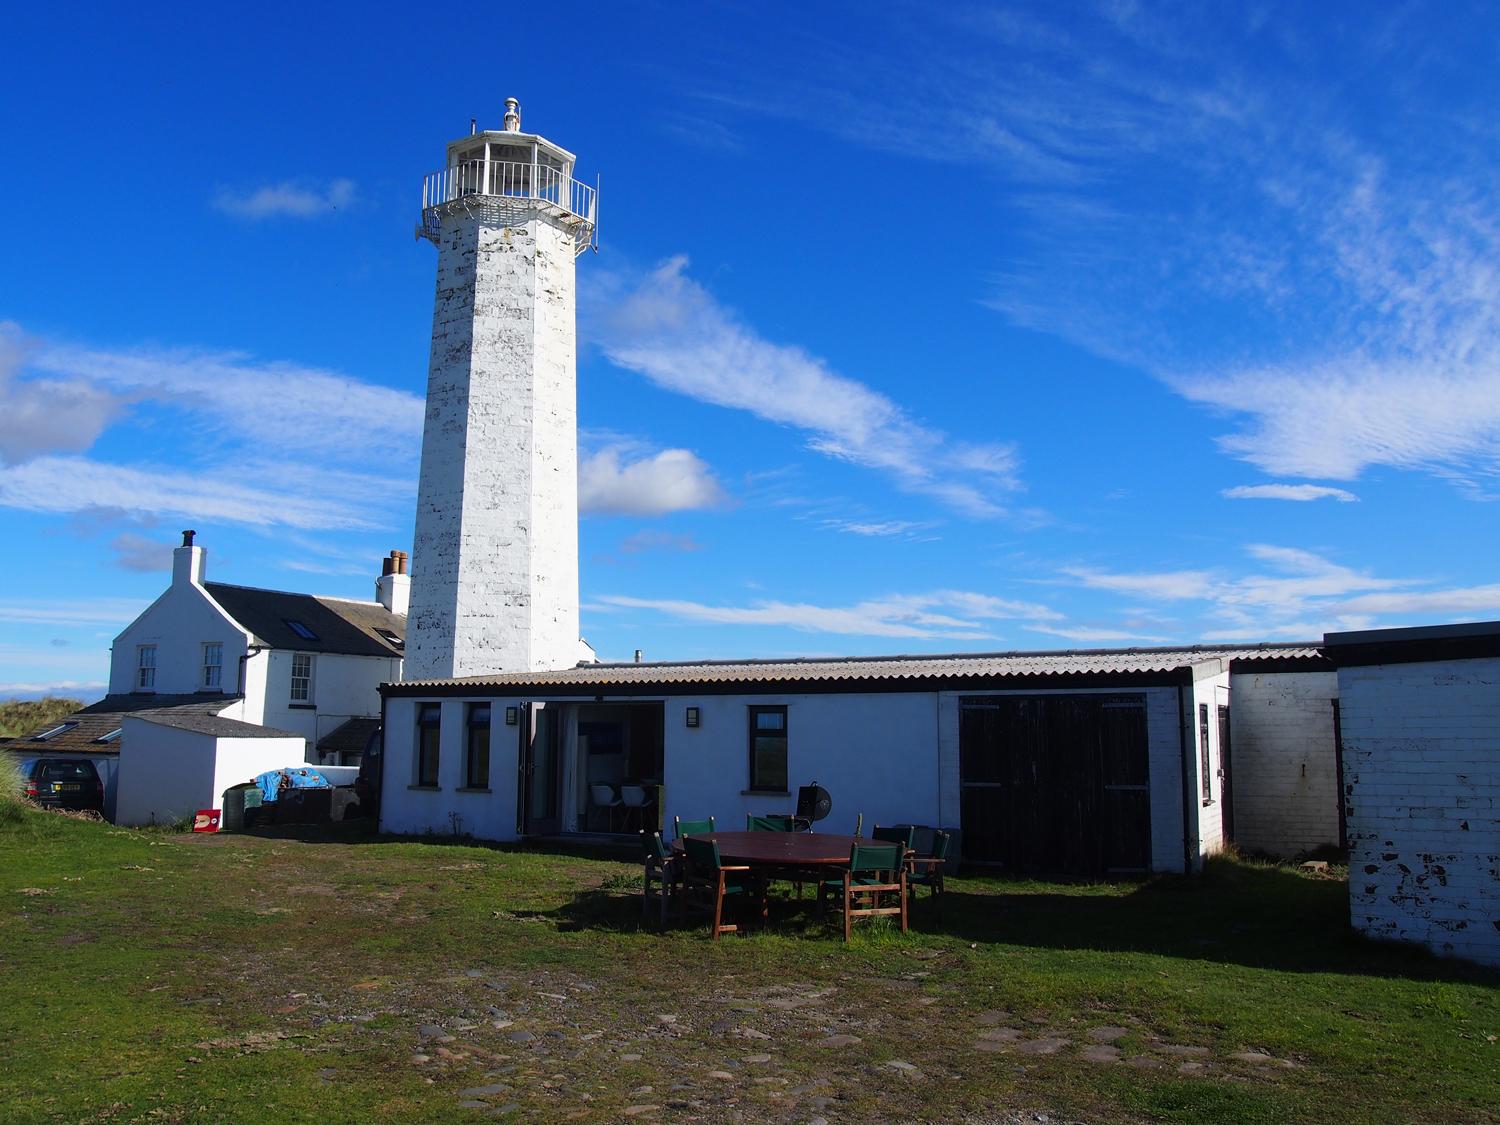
[881, 668]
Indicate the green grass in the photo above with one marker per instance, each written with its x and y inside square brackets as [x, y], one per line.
[160, 977]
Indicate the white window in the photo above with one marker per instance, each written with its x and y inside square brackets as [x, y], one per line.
[302, 677]
[213, 665]
[145, 667]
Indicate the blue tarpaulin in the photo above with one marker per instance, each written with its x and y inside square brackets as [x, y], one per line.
[302, 777]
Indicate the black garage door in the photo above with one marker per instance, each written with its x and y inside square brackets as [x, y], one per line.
[1056, 783]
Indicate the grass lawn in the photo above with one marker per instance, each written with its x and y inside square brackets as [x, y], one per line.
[157, 977]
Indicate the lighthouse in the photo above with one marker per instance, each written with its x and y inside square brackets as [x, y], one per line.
[495, 550]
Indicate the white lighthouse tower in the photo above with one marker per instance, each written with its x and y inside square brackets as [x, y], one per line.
[495, 554]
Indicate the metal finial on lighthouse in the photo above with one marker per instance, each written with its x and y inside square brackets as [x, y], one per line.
[512, 115]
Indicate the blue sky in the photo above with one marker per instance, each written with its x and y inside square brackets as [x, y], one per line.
[914, 328]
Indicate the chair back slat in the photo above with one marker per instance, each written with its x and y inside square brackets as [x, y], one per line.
[769, 823]
[652, 847]
[681, 828]
[901, 834]
[942, 844]
[875, 857]
[702, 854]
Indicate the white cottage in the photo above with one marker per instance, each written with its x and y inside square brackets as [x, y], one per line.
[1419, 723]
[1084, 763]
[295, 662]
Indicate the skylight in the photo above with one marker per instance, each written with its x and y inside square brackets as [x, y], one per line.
[301, 630]
[48, 735]
[112, 736]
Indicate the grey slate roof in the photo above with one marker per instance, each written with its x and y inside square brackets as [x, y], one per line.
[897, 670]
[212, 724]
[350, 736]
[346, 627]
[99, 719]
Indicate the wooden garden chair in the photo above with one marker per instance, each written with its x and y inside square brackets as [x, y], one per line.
[927, 870]
[663, 867]
[874, 870]
[681, 828]
[705, 872]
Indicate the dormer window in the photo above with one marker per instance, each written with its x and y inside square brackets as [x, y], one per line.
[301, 630]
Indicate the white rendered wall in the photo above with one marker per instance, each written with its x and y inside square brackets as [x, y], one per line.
[344, 687]
[178, 623]
[495, 552]
[1212, 689]
[1284, 761]
[167, 773]
[875, 753]
[407, 809]
[1422, 777]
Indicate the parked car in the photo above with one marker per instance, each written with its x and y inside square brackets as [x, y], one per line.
[367, 784]
[63, 783]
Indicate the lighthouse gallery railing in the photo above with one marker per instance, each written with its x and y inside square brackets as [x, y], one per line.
[511, 180]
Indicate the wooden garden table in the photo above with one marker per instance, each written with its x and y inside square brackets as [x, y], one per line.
[794, 851]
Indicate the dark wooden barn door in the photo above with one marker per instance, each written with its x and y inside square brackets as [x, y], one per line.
[1056, 783]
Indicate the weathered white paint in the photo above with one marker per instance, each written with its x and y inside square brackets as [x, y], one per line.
[166, 773]
[495, 552]
[1422, 775]
[1284, 761]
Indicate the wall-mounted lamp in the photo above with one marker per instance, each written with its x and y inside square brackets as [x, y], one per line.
[512, 716]
[691, 716]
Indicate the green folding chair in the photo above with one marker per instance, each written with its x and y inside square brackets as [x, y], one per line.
[707, 873]
[874, 870]
[663, 867]
[681, 828]
[770, 823]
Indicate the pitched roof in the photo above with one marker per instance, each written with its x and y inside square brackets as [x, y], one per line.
[337, 625]
[350, 736]
[896, 671]
[180, 719]
[103, 718]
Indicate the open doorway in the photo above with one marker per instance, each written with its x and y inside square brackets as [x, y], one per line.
[618, 767]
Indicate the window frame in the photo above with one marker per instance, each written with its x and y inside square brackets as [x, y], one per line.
[213, 670]
[1205, 757]
[145, 667]
[757, 782]
[309, 680]
[429, 724]
[477, 744]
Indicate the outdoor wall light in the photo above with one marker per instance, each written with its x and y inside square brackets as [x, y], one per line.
[692, 716]
[512, 716]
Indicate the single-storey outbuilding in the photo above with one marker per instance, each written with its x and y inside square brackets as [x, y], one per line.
[1081, 762]
[1419, 723]
[173, 763]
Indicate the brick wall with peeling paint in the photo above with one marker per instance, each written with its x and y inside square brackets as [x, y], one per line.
[495, 551]
[1284, 761]
[1422, 782]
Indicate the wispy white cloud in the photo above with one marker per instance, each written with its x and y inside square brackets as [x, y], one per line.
[1297, 594]
[109, 612]
[141, 553]
[1302, 492]
[86, 690]
[876, 529]
[948, 614]
[1092, 635]
[288, 199]
[43, 415]
[653, 484]
[668, 327]
[653, 540]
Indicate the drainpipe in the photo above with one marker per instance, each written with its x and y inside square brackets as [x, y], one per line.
[250, 650]
[1188, 842]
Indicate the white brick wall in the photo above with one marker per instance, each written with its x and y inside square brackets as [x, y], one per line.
[1283, 761]
[1422, 777]
[495, 553]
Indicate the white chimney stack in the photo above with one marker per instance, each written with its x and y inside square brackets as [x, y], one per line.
[187, 562]
[393, 587]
